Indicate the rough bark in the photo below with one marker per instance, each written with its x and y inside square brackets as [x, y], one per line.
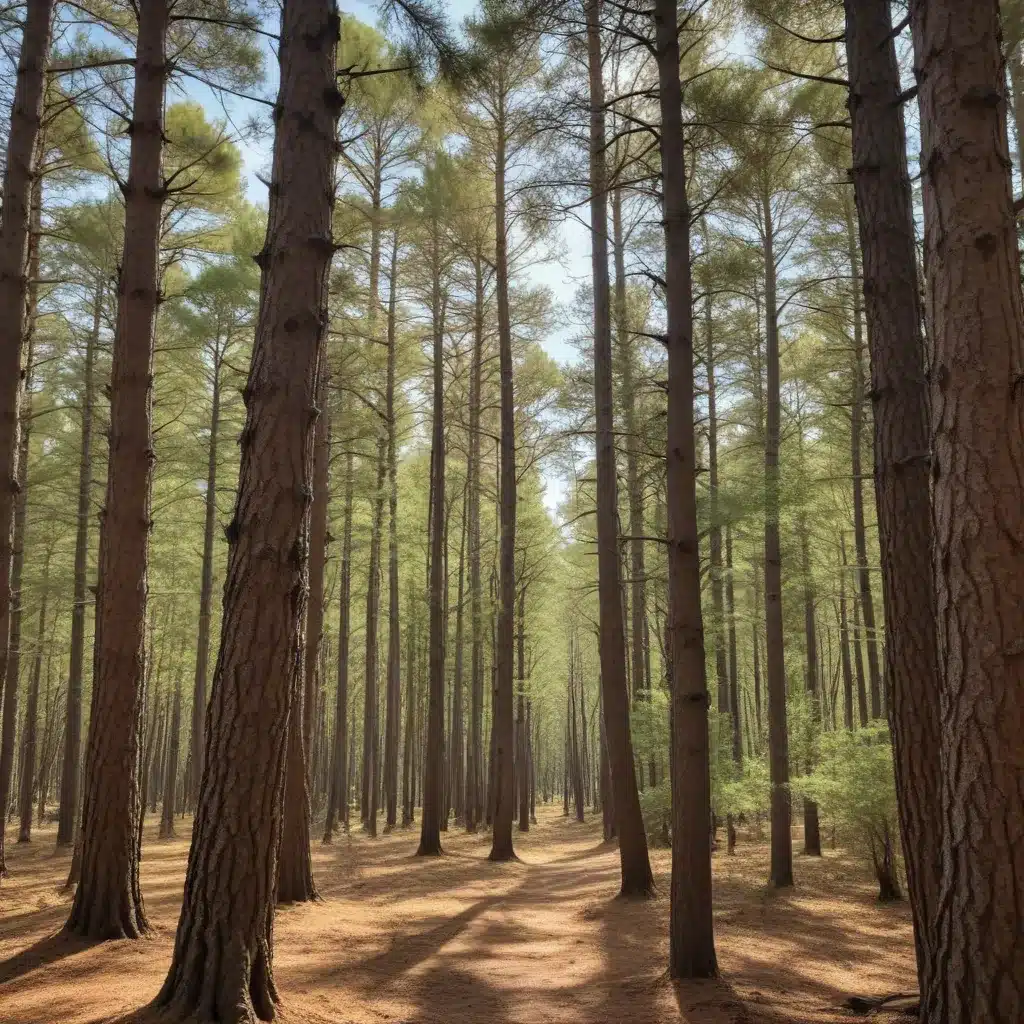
[812, 830]
[976, 323]
[337, 803]
[433, 765]
[900, 403]
[734, 683]
[108, 901]
[691, 928]
[502, 790]
[474, 768]
[30, 731]
[456, 761]
[393, 712]
[781, 870]
[67, 820]
[634, 864]
[522, 761]
[171, 772]
[867, 601]
[223, 957]
[15, 224]
[844, 643]
[199, 695]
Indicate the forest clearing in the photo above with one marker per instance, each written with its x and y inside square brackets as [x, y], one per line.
[462, 940]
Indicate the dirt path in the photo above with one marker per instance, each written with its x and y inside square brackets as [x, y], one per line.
[458, 940]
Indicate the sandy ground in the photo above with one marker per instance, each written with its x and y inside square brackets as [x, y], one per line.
[458, 940]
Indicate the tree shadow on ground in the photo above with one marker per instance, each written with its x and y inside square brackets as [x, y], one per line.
[43, 953]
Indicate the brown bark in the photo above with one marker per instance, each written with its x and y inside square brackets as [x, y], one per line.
[812, 831]
[338, 794]
[502, 790]
[15, 223]
[223, 957]
[902, 456]
[976, 324]
[171, 770]
[408, 745]
[634, 864]
[433, 765]
[108, 901]
[844, 645]
[30, 731]
[295, 865]
[522, 761]
[781, 870]
[474, 766]
[393, 712]
[691, 928]
[199, 695]
[634, 488]
[734, 684]
[456, 762]
[867, 601]
[67, 821]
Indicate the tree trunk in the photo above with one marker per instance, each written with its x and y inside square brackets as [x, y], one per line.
[295, 865]
[781, 871]
[223, 957]
[108, 901]
[67, 821]
[337, 804]
[433, 765]
[902, 457]
[30, 725]
[504, 654]
[522, 762]
[456, 770]
[636, 877]
[844, 643]
[691, 928]
[812, 831]
[199, 696]
[756, 628]
[867, 601]
[15, 224]
[858, 660]
[977, 427]
[474, 770]
[393, 713]
[171, 772]
[734, 683]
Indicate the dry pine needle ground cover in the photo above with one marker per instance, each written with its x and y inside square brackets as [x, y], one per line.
[457, 940]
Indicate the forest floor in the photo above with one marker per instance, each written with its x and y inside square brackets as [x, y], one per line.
[458, 940]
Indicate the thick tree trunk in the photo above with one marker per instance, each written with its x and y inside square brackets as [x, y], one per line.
[635, 867]
[171, 771]
[295, 865]
[393, 713]
[67, 821]
[108, 901]
[223, 957]
[902, 457]
[337, 803]
[199, 695]
[977, 427]
[30, 726]
[502, 789]
[15, 224]
[691, 929]
[781, 870]
[433, 765]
